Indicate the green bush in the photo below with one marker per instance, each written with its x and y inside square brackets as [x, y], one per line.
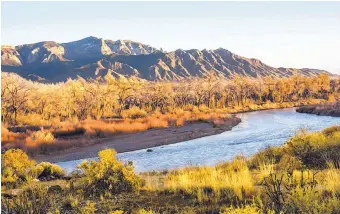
[108, 175]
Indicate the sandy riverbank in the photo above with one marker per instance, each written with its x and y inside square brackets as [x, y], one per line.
[142, 140]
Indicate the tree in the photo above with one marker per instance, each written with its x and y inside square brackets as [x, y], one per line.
[14, 92]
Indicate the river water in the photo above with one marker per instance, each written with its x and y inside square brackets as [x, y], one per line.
[257, 131]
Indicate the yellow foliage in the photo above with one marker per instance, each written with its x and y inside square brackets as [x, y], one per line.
[248, 209]
[331, 180]
[144, 211]
[234, 176]
[108, 175]
[116, 212]
[15, 164]
[133, 113]
[40, 137]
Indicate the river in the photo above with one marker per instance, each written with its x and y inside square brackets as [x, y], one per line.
[257, 131]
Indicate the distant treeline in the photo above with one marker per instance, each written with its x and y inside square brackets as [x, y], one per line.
[109, 96]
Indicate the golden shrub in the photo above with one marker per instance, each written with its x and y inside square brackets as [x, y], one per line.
[133, 113]
[15, 164]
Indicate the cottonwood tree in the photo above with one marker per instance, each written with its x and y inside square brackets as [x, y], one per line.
[14, 92]
[78, 99]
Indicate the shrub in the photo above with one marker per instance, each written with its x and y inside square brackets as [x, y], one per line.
[88, 208]
[11, 137]
[133, 113]
[157, 123]
[32, 200]
[331, 130]
[108, 175]
[15, 164]
[289, 163]
[180, 122]
[270, 155]
[247, 209]
[116, 212]
[144, 211]
[48, 171]
[39, 137]
[330, 181]
[203, 108]
[316, 150]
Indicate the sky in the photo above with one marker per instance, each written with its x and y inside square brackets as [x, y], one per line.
[281, 34]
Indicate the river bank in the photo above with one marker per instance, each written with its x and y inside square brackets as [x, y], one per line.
[142, 140]
[327, 109]
[126, 142]
[257, 131]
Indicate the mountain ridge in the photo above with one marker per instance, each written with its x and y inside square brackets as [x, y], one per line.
[91, 57]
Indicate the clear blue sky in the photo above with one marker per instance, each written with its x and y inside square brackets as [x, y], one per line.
[288, 34]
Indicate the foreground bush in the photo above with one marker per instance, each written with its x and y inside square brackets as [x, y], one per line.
[48, 171]
[15, 165]
[18, 169]
[108, 175]
[311, 150]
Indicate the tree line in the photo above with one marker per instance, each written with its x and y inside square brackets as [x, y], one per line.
[108, 96]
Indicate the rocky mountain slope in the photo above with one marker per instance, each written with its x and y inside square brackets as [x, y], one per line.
[91, 57]
[85, 49]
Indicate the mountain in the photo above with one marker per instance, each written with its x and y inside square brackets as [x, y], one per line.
[85, 49]
[91, 57]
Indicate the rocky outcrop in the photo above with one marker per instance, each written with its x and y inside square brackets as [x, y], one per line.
[42, 52]
[88, 48]
[128, 47]
[10, 56]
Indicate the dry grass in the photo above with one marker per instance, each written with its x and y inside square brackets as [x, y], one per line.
[330, 180]
[133, 112]
[265, 169]
[224, 182]
[155, 120]
[39, 137]
[74, 133]
[8, 137]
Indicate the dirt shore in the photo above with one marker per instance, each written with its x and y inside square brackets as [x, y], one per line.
[326, 109]
[142, 140]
